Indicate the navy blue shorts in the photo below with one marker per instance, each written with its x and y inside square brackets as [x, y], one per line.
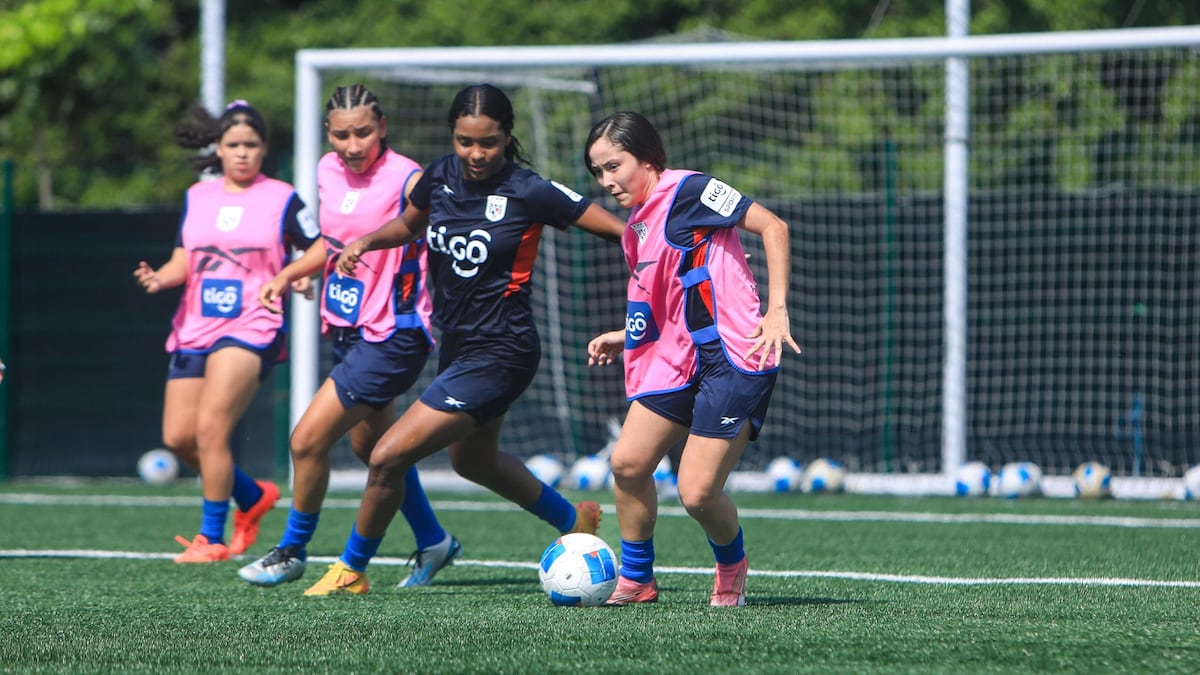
[483, 375]
[375, 373]
[190, 364]
[720, 401]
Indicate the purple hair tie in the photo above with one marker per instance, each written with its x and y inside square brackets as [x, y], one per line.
[237, 103]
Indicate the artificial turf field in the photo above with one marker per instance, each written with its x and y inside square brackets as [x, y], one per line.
[839, 583]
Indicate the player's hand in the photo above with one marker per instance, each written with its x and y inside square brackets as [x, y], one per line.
[269, 296]
[147, 278]
[772, 332]
[606, 348]
[350, 256]
[304, 286]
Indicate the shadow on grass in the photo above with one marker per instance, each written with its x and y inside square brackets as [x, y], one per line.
[780, 601]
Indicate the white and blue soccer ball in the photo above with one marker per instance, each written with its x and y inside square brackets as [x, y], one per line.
[666, 483]
[591, 472]
[578, 570]
[973, 479]
[1092, 480]
[1020, 479]
[546, 468]
[823, 475]
[158, 467]
[784, 474]
[1191, 483]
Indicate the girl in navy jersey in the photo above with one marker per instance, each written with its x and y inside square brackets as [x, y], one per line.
[379, 323]
[700, 359]
[236, 234]
[482, 215]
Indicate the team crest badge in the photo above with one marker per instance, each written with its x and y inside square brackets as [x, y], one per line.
[497, 206]
[349, 202]
[639, 228]
[228, 218]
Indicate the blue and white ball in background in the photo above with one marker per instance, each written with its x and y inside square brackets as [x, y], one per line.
[578, 570]
[546, 468]
[823, 475]
[1020, 479]
[784, 473]
[973, 479]
[1191, 483]
[1093, 480]
[591, 472]
[158, 467]
[666, 483]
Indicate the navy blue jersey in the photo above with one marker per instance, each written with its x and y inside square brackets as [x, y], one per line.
[483, 239]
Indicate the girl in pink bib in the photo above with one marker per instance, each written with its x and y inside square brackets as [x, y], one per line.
[700, 358]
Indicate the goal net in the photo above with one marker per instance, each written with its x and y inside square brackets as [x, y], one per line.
[1083, 211]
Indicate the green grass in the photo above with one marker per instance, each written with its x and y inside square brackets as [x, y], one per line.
[952, 597]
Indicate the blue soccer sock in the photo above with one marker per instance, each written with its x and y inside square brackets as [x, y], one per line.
[359, 550]
[554, 509]
[637, 560]
[246, 491]
[212, 521]
[419, 512]
[730, 553]
[299, 531]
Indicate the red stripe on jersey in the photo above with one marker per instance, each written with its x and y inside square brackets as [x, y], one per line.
[523, 262]
[700, 259]
[408, 282]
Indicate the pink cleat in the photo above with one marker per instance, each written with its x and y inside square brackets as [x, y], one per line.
[630, 592]
[729, 584]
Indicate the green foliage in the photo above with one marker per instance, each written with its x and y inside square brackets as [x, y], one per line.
[90, 89]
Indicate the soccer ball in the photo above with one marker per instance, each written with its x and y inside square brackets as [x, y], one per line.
[665, 481]
[591, 472]
[1191, 483]
[546, 468]
[578, 570]
[1020, 479]
[158, 467]
[823, 475]
[972, 479]
[784, 474]
[1093, 480]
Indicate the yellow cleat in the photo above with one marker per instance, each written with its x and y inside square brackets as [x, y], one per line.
[340, 580]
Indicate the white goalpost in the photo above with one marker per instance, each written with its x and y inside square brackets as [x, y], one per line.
[990, 235]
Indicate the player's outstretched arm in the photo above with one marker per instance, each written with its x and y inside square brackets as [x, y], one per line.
[606, 348]
[601, 223]
[173, 273]
[775, 328]
[299, 270]
[403, 229]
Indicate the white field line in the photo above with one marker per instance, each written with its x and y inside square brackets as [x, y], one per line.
[663, 510]
[778, 574]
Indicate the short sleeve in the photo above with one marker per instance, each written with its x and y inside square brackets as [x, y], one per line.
[555, 204]
[703, 202]
[299, 225]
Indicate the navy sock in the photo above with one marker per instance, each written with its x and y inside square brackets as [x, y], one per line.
[554, 509]
[299, 531]
[730, 553]
[212, 521]
[246, 491]
[637, 560]
[359, 550]
[419, 513]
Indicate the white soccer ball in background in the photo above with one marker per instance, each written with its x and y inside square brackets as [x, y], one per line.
[1093, 480]
[1191, 483]
[1020, 479]
[591, 472]
[158, 467]
[785, 474]
[665, 480]
[546, 468]
[973, 479]
[823, 475]
[578, 570]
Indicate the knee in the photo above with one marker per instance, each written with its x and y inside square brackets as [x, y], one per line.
[305, 446]
[388, 466]
[698, 500]
[626, 468]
